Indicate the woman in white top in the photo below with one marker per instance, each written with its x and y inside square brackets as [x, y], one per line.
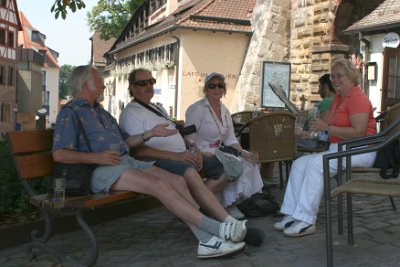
[214, 128]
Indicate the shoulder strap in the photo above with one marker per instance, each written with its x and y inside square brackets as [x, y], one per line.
[82, 129]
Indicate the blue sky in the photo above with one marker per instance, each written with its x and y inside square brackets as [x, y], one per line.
[68, 37]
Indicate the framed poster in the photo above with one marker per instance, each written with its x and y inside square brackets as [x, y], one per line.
[275, 73]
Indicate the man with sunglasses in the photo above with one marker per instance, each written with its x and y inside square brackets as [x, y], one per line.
[170, 152]
[117, 170]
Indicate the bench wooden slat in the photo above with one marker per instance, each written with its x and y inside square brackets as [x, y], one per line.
[34, 165]
[30, 141]
[83, 202]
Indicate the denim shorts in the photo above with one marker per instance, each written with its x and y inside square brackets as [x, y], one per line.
[105, 176]
[212, 168]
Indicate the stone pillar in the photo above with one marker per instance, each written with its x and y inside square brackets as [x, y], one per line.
[269, 42]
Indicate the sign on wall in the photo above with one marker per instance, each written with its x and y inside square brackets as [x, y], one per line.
[276, 73]
[391, 40]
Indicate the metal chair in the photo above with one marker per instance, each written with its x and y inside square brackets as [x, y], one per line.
[272, 136]
[385, 119]
[376, 186]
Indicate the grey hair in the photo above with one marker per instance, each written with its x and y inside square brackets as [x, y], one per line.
[351, 70]
[78, 76]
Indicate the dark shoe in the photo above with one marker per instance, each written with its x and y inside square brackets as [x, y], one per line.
[254, 237]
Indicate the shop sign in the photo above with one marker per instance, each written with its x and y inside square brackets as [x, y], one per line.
[391, 40]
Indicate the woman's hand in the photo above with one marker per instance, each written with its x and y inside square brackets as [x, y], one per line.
[317, 125]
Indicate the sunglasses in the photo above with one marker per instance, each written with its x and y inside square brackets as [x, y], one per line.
[215, 85]
[145, 82]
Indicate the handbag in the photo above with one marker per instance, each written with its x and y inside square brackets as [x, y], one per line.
[259, 205]
[77, 175]
[232, 165]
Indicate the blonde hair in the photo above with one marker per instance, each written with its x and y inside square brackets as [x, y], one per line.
[350, 69]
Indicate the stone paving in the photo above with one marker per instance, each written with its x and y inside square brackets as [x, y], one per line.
[156, 238]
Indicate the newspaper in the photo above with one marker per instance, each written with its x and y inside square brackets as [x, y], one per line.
[279, 92]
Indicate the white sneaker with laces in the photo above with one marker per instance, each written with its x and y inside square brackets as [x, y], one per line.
[217, 247]
[300, 228]
[233, 231]
[284, 223]
[235, 212]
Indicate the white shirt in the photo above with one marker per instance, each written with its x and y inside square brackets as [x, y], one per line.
[211, 132]
[136, 119]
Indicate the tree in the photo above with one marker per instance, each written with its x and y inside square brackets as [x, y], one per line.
[109, 17]
[65, 90]
[60, 7]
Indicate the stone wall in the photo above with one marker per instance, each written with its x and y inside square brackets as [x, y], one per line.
[306, 33]
[269, 42]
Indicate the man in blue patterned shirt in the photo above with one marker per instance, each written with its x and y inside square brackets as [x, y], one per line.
[118, 171]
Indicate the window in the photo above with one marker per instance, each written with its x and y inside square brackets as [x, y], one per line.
[11, 39]
[3, 3]
[393, 82]
[5, 113]
[10, 76]
[1, 75]
[2, 37]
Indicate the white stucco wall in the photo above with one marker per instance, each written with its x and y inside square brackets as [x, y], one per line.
[52, 83]
[376, 55]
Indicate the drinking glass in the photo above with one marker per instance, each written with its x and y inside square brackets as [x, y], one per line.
[59, 189]
[253, 157]
[299, 124]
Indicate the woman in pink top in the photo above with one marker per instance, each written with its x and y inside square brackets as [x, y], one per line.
[350, 116]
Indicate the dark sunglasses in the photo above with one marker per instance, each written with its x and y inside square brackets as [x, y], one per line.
[215, 85]
[145, 82]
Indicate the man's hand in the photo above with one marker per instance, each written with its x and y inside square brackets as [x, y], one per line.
[162, 130]
[108, 158]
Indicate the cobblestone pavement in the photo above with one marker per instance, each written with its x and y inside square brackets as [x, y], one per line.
[156, 238]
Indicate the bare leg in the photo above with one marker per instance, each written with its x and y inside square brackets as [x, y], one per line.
[216, 185]
[177, 182]
[141, 182]
[203, 195]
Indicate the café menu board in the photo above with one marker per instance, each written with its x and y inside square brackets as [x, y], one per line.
[275, 73]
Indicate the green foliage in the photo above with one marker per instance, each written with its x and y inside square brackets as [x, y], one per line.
[13, 196]
[65, 89]
[60, 7]
[109, 17]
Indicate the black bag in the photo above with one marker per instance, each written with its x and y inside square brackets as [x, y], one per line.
[388, 158]
[259, 205]
[77, 177]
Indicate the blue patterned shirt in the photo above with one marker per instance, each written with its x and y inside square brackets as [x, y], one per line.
[101, 129]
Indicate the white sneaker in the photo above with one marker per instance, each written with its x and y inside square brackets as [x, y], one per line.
[217, 247]
[284, 223]
[235, 212]
[300, 228]
[233, 231]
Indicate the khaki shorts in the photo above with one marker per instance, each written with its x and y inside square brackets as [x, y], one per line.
[104, 176]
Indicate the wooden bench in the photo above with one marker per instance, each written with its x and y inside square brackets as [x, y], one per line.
[32, 156]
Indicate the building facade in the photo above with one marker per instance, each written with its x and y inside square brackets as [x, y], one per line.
[38, 78]
[9, 27]
[182, 41]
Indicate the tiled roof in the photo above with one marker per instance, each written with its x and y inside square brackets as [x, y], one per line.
[24, 40]
[214, 15]
[99, 47]
[385, 16]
